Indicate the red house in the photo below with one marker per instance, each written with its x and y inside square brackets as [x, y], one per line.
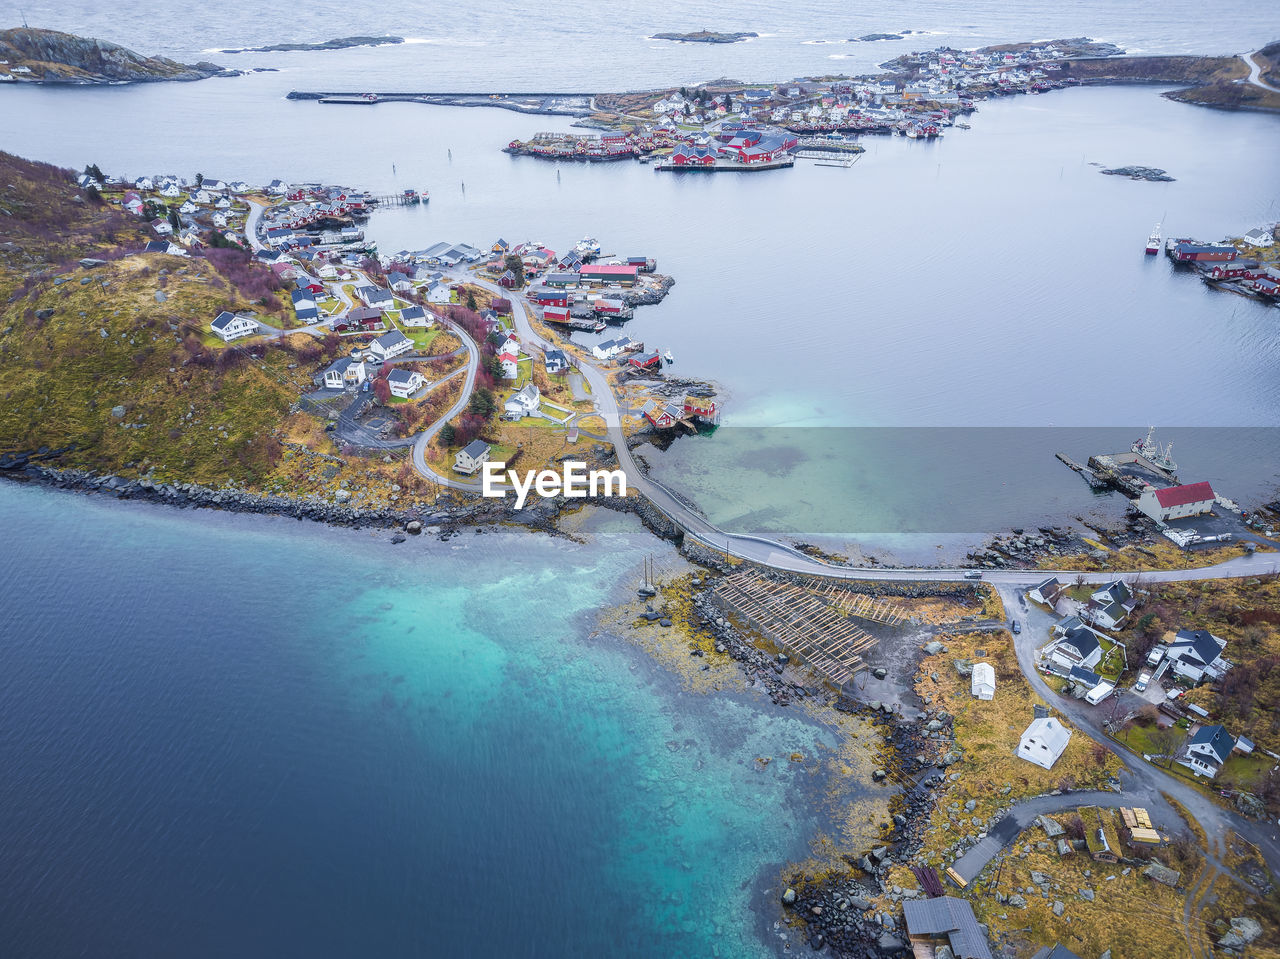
[609, 307]
[1198, 253]
[556, 314]
[545, 297]
[661, 416]
[646, 361]
[701, 408]
[693, 156]
[1230, 271]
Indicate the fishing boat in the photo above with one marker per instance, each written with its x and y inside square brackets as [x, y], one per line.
[587, 248]
[668, 357]
[1161, 456]
[1153, 241]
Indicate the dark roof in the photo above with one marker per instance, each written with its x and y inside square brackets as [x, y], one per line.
[222, 319]
[394, 338]
[476, 448]
[1057, 951]
[1199, 641]
[412, 313]
[1082, 639]
[949, 917]
[1085, 676]
[1216, 738]
[155, 246]
[400, 376]
[1117, 590]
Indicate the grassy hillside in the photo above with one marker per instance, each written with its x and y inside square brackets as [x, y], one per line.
[76, 343]
[55, 57]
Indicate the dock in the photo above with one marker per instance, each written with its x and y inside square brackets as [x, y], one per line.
[810, 146]
[724, 166]
[1093, 479]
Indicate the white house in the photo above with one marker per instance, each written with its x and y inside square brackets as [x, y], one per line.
[471, 457]
[1206, 750]
[1043, 742]
[390, 344]
[510, 364]
[509, 344]
[982, 683]
[1110, 606]
[277, 187]
[523, 402]
[162, 226]
[230, 327]
[437, 292]
[344, 373]
[608, 349]
[1259, 237]
[202, 196]
[1176, 502]
[1196, 653]
[556, 361]
[170, 190]
[1078, 646]
[187, 208]
[375, 296]
[416, 316]
[399, 282]
[1089, 686]
[212, 183]
[404, 383]
[143, 183]
[220, 219]
[1046, 592]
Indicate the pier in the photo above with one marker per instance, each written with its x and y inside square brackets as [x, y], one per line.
[1093, 479]
[722, 166]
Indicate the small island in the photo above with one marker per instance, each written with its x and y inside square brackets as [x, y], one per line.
[1150, 174]
[872, 37]
[705, 36]
[340, 43]
[47, 56]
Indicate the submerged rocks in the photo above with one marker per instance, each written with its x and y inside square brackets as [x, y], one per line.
[1148, 173]
[789, 897]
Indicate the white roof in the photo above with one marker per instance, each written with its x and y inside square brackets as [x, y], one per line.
[1047, 732]
[984, 674]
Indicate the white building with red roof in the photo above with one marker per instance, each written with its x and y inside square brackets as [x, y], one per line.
[1176, 502]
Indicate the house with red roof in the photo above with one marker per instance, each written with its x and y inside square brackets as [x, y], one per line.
[598, 273]
[1176, 502]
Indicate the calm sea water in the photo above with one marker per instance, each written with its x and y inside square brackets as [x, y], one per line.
[225, 736]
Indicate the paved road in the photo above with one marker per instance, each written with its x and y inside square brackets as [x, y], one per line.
[1142, 777]
[1255, 73]
[1023, 815]
[251, 225]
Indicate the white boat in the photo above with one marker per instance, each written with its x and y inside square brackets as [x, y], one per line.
[668, 357]
[587, 247]
[1161, 456]
[1153, 241]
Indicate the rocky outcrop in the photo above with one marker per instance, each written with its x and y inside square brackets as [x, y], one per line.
[54, 57]
[705, 36]
[340, 43]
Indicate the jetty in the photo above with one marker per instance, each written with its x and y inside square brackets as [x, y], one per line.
[1093, 479]
[723, 165]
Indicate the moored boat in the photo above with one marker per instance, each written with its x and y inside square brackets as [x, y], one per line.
[1153, 241]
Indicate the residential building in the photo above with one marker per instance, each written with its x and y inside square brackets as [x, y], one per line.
[1197, 653]
[390, 345]
[1078, 646]
[399, 282]
[1110, 606]
[375, 296]
[556, 361]
[982, 682]
[944, 921]
[344, 373]
[1185, 252]
[471, 457]
[1206, 750]
[1259, 237]
[404, 383]
[608, 349]
[510, 365]
[416, 316]
[1176, 502]
[1044, 741]
[1046, 592]
[523, 402]
[231, 326]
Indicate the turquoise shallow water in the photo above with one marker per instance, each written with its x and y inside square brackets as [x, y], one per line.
[228, 734]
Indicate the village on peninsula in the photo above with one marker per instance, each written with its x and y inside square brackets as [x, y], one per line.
[1079, 733]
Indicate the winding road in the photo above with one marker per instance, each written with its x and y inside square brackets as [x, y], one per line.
[1255, 73]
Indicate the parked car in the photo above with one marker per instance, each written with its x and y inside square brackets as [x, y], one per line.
[1143, 678]
[973, 574]
[1017, 627]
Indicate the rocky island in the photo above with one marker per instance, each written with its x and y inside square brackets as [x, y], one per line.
[48, 56]
[705, 36]
[340, 43]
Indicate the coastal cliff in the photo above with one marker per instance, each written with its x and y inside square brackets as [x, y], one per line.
[48, 56]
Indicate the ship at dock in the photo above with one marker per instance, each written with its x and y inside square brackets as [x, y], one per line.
[1153, 241]
[1161, 456]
